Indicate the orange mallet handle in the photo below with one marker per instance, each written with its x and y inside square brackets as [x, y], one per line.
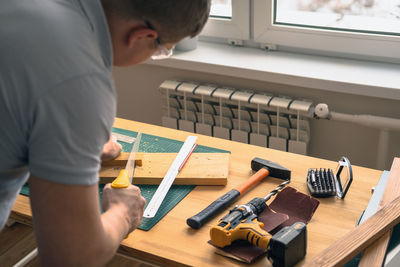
[254, 179]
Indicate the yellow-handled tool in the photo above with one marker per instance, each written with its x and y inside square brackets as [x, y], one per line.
[124, 178]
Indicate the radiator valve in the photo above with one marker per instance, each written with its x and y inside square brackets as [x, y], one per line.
[321, 111]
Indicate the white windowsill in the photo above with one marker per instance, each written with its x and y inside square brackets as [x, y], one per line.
[324, 73]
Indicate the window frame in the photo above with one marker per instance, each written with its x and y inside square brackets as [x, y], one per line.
[236, 28]
[333, 42]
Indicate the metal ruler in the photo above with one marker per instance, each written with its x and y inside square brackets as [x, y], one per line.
[169, 178]
[124, 138]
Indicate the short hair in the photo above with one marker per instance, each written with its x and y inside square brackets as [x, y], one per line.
[172, 19]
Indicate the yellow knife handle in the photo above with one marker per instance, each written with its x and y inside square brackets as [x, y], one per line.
[122, 181]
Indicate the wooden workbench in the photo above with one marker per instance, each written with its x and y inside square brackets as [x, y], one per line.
[172, 242]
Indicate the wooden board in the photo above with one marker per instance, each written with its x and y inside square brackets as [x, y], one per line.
[371, 234]
[200, 169]
[375, 254]
[359, 238]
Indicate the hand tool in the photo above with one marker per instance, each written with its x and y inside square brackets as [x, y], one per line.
[176, 166]
[285, 248]
[263, 167]
[124, 179]
[322, 182]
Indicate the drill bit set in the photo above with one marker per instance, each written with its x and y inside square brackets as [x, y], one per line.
[323, 182]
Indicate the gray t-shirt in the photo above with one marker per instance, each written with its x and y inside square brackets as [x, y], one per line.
[57, 96]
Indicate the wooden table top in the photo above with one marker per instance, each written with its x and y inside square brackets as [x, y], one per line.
[172, 242]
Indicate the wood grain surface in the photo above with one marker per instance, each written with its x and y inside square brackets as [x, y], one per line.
[375, 254]
[172, 242]
[359, 238]
[200, 169]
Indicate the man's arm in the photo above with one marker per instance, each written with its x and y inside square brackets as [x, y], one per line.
[69, 228]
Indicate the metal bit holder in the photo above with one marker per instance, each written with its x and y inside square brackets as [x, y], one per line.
[323, 182]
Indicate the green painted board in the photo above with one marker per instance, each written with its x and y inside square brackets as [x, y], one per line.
[156, 144]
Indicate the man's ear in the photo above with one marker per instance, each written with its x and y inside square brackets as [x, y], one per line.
[140, 34]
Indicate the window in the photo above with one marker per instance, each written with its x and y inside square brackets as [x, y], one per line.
[361, 28]
[221, 9]
[365, 16]
[229, 19]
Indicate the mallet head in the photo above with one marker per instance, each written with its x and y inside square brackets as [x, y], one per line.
[275, 170]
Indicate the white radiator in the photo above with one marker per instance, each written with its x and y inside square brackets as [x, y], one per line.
[244, 116]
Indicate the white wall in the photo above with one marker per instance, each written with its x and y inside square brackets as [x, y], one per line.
[139, 99]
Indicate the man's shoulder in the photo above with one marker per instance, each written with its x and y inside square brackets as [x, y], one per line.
[43, 21]
[55, 39]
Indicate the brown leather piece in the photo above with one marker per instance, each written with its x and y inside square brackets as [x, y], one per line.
[298, 206]
[288, 207]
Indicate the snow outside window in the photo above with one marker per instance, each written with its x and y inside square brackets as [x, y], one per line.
[353, 27]
[229, 19]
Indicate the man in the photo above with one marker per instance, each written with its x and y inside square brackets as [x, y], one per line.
[57, 105]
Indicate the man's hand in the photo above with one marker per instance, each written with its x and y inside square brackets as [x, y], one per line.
[111, 149]
[128, 200]
[69, 228]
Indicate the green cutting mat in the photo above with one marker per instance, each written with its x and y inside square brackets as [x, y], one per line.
[155, 144]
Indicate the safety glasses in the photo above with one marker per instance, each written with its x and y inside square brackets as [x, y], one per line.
[162, 51]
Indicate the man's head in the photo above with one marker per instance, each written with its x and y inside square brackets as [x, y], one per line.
[140, 28]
